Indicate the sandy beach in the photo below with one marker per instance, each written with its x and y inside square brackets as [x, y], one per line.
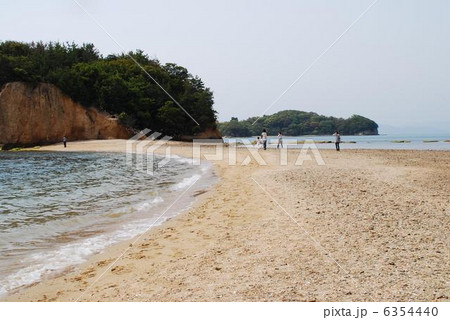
[366, 226]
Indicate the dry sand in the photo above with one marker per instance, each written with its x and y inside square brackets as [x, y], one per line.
[367, 226]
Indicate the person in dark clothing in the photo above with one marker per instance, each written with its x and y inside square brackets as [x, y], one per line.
[65, 141]
[337, 141]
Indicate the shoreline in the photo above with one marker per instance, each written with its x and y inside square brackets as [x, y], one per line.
[118, 147]
[221, 249]
[205, 179]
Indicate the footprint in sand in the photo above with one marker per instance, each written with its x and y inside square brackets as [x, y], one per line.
[77, 278]
[89, 273]
[104, 262]
[138, 255]
[120, 270]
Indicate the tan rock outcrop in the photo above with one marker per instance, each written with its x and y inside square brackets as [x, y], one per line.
[43, 114]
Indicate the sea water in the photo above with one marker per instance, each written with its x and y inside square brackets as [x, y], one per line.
[58, 209]
[382, 141]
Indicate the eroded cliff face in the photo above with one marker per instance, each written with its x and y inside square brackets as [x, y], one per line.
[43, 114]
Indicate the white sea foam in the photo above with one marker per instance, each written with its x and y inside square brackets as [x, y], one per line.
[51, 261]
[75, 253]
[206, 167]
[148, 204]
[181, 159]
[186, 182]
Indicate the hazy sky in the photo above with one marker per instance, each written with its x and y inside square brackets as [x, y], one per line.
[393, 66]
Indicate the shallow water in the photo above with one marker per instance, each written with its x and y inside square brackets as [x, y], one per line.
[385, 142]
[57, 209]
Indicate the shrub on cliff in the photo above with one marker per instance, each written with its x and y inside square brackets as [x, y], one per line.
[114, 84]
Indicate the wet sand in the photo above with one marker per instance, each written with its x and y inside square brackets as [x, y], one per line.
[366, 226]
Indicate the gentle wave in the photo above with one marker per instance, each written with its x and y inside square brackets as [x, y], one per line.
[181, 159]
[57, 216]
[58, 260]
[147, 204]
[74, 253]
[186, 182]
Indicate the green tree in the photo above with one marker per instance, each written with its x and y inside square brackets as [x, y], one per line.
[295, 123]
[115, 84]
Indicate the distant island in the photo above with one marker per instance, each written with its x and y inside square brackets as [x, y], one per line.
[297, 123]
[114, 85]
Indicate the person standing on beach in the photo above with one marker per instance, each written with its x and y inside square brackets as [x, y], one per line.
[280, 140]
[258, 143]
[264, 138]
[337, 141]
[65, 141]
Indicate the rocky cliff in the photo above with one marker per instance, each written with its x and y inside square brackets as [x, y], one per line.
[42, 114]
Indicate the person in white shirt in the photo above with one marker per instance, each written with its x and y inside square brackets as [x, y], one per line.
[280, 140]
[264, 138]
[258, 143]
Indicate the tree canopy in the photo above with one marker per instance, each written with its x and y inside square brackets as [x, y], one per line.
[114, 84]
[297, 123]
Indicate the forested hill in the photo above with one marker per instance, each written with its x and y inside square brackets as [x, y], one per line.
[114, 84]
[296, 123]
